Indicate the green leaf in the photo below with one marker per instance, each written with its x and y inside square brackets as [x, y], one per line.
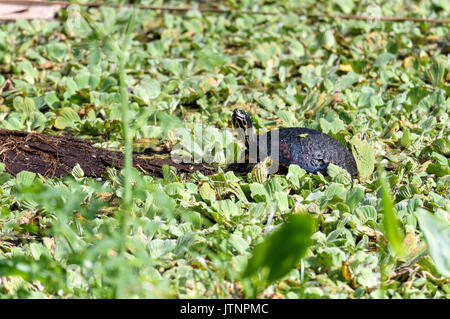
[405, 141]
[36, 250]
[443, 4]
[437, 71]
[367, 213]
[346, 81]
[211, 60]
[25, 178]
[295, 174]
[437, 235]
[391, 224]
[239, 243]
[57, 50]
[354, 197]
[384, 59]
[364, 157]
[441, 167]
[327, 39]
[207, 193]
[28, 106]
[86, 80]
[148, 90]
[194, 25]
[259, 192]
[345, 5]
[333, 127]
[184, 242]
[338, 174]
[442, 145]
[169, 173]
[280, 252]
[94, 55]
[159, 248]
[67, 118]
[77, 171]
[27, 68]
[226, 208]
[282, 200]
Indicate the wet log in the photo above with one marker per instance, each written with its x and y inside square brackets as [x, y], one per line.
[53, 155]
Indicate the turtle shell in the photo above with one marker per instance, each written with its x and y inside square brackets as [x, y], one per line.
[310, 149]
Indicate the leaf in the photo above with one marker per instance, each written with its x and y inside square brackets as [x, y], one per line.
[51, 99]
[441, 167]
[207, 193]
[36, 250]
[169, 173]
[280, 252]
[27, 68]
[391, 224]
[405, 140]
[339, 174]
[226, 208]
[259, 192]
[25, 178]
[327, 39]
[148, 90]
[239, 243]
[210, 60]
[57, 50]
[28, 106]
[295, 174]
[159, 247]
[442, 145]
[345, 5]
[282, 200]
[383, 59]
[86, 80]
[67, 118]
[94, 55]
[437, 71]
[260, 171]
[77, 171]
[354, 197]
[333, 127]
[346, 81]
[443, 4]
[184, 242]
[194, 25]
[364, 157]
[437, 235]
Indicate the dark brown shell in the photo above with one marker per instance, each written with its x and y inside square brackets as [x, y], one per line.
[310, 149]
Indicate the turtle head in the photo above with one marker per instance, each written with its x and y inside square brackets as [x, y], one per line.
[241, 120]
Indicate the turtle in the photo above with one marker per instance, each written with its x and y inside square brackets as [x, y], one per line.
[310, 149]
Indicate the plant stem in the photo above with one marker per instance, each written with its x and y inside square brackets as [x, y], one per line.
[127, 154]
[127, 197]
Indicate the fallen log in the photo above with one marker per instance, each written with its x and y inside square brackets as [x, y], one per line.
[52, 155]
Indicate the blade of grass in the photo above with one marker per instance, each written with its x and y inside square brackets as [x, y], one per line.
[391, 224]
[120, 53]
[126, 204]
